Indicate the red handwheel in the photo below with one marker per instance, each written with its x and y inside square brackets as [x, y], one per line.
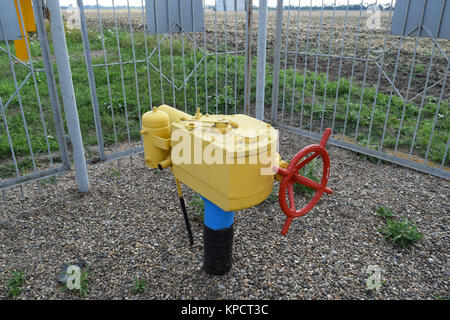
[291, 175]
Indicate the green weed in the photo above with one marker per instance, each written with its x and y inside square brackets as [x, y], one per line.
[15, 283]
[198, 205]
[402, 233]
[84, 282]
[139, 285]
[385, 213]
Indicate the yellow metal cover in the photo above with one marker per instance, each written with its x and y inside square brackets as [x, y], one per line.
[225, 158]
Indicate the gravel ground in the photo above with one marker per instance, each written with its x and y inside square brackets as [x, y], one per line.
[130, 224]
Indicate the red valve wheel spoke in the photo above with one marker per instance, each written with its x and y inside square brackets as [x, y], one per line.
[291, 196]
[291, 175]
[306, 161]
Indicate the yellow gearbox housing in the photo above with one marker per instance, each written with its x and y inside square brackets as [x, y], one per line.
[225, 158]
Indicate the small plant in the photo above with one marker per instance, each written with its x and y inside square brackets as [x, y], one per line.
[385, 213]
[273, 197]
[419, 68]
[139, 285]
[15, 283]
[401, 233]
[308, 171]
[84, 281]
[199, 207]
[115, 173]
[438, 297]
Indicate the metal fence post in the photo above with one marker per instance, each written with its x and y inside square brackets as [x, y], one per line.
[261, 64]
[276, 63]
[67, 93]
[91, 79]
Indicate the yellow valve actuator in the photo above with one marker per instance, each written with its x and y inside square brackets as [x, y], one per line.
[225, 158]
[156, 136]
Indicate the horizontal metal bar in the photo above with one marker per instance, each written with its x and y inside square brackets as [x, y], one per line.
[377, 154]
[120, 155]
[224, 53]
[118, 63]
[326, 55]
[33, 177]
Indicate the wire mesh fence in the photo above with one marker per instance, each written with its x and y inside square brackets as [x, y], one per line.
[383, 95]
[130, 70]
[32, 141]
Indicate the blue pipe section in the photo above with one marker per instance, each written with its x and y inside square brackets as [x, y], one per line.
[215, 217]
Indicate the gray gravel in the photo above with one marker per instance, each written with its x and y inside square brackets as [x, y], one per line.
[131, 225]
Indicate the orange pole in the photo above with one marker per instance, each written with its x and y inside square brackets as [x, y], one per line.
[30, 25]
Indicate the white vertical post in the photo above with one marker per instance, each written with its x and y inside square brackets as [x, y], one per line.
[261, 64]
[67, 93]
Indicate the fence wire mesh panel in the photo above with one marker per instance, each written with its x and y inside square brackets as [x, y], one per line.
[338, 65]
[32, 140]
[123, 68]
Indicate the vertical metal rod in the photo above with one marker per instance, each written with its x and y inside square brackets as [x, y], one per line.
[28, 48]
[68, 94]
[248, 57]
[51, 83]
[226, 55]
[206, 66]
[91, 80]
[426, 82]
[159, 54]
[355, 52]
[215, 39]
[306, 64]
[285, 62]
[169, 21]
[297, 37]
[11, 147]
[340, 66]
[195, 53]
[330, 49]
[107, 75]
[436, 115]
[19, 99]
[235, 54]
[410, 77]
[315, 71]
[261, 60]
[144, 22]
[182, 53]
[394, 76]
[183, 208]
[133, 51]
[355, 139]
[122, 79]
[276, 62]
[378, 82]
[445, 153]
